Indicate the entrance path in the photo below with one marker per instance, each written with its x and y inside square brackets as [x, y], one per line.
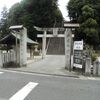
[52, 64]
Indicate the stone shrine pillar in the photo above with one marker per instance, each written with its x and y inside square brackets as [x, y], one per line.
[31, 54]
[68, 38]
[44, 45]
[17, 54]
[23, 47]
[96, 67]
[88, 66]
[1, 60]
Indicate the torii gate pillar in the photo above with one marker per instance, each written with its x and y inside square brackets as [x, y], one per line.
[68, 39]
[68, 43]
[44, 45]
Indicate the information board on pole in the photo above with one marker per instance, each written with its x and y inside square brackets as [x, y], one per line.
[78, 54]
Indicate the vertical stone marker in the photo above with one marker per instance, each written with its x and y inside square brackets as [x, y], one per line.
[68, 43]
[96, 67]
[1, 60]
[23, 47]
[44, 45]
[68, 37]
[88, 66]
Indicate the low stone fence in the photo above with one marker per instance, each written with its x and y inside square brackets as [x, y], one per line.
[88, 66]
[92, 70]
[96, 67]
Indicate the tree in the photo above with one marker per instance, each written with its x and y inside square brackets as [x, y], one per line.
[42, 13]
[86, 12]
[15, 14]
[89, 26]
[74, 9]
[3, 22]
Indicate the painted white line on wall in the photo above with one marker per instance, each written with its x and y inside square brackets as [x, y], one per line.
[21, 94]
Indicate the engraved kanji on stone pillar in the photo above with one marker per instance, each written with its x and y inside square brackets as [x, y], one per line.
[23, 47]
[68, 38]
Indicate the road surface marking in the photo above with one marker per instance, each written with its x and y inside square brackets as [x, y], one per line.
[1, 72]
[91, 78]
[21, 94]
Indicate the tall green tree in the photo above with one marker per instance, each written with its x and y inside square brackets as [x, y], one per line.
[87, 13]
[14, 15]
[42, 13]
[89, 26]
[3, 22]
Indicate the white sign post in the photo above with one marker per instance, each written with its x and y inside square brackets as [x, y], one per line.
[78, 54]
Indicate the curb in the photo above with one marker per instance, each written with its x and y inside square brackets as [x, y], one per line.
[31, 72]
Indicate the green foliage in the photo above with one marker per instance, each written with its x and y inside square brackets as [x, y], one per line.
[94, 56]
[42, 13]
[91, 52]
[88, 25]
[15, 14]
[74, 9]
[87, 13]
[3, 22]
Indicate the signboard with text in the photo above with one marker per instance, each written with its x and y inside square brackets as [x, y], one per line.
[78, 54]
[78, 45]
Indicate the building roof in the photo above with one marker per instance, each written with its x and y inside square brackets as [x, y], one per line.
[11, 38]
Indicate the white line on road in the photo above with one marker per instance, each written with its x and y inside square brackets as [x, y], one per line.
[21, 94]
[91, 78]
[1, 72]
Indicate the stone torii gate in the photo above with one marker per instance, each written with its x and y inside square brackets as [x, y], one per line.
[21, 56]
[68, 38]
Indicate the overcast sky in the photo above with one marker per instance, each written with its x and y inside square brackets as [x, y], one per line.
[62, 5]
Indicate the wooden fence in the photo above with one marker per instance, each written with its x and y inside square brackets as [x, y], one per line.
[8, 57]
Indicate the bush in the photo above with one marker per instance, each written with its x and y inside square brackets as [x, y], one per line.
[11, 65]
[36, 53]
[94, 56]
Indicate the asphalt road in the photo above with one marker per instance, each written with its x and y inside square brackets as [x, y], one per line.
[47, 88]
